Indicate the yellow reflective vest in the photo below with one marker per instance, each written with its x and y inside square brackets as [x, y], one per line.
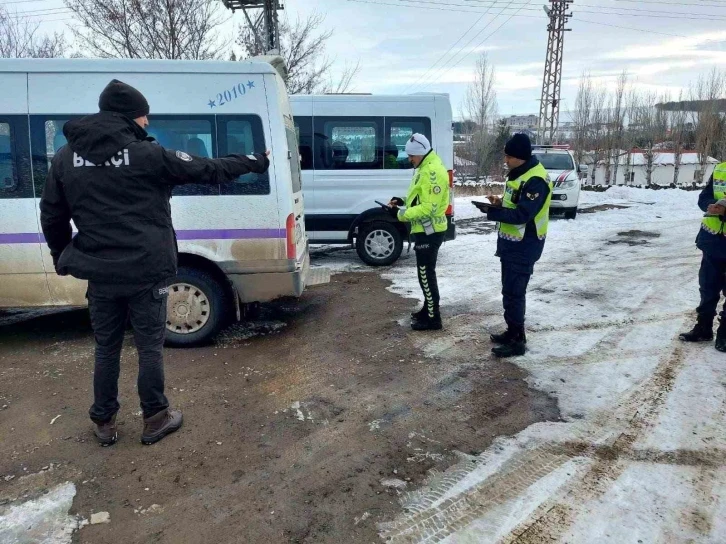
[428, 197]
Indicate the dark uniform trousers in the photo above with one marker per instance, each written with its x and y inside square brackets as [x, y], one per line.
[712, 282]
[515, 278]
[110, 305]
[427, 252]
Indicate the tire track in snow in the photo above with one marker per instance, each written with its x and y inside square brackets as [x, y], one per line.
[605, 442]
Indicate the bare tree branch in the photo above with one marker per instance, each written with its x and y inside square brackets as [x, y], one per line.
[149, 29]
[19, 38]
[303, 46]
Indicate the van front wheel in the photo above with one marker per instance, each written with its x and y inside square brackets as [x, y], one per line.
[196, 308]
[379, 243]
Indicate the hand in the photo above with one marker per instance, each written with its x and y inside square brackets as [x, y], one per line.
[495, 200]
[483, 208]
[267, 153]
[715, 209]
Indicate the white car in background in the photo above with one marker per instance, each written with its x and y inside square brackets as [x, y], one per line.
[560, 164]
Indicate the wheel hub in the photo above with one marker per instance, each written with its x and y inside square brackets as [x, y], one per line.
[187, 309]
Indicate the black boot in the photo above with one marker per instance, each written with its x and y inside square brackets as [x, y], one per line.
[721, 336]
[507, 337]
[418, 315]
[516, 346]
[701, 332]
[427, 323]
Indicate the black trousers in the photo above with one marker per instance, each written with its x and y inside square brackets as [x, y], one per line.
[110, 306]
[515, 278]
[712, 282]
[427, 253]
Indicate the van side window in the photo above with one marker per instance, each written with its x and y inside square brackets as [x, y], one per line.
[348, 143]
[304, 130]
[398, 131]
[193, 135]
[9, 179]
[243, 135]
[46, 138]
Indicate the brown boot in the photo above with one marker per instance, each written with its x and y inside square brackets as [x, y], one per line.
[159, 425]
[107, 433]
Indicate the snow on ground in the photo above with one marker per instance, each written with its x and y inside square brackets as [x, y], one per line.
[640, 453]
[44, 520]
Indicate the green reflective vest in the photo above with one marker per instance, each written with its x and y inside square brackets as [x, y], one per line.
[541, 220]
[428, 197]
[715, 225]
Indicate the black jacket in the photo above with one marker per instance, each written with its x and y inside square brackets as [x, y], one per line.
[713, 244]
[115, 183]
[529, 250]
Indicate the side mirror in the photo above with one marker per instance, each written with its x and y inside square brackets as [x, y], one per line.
[583, 169]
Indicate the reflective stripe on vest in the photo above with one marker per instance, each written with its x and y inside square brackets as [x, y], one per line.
[714, 225]
[515, 233]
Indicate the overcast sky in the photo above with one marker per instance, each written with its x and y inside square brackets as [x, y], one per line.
[432, 45]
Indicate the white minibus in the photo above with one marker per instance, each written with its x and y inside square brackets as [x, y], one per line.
[240, 243]
[352, 153]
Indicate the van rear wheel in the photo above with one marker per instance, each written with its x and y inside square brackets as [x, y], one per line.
[196, 308]
[379, 243]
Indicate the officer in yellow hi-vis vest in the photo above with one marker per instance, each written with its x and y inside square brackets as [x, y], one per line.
[711, 241]
[425, 209]
[523, 216]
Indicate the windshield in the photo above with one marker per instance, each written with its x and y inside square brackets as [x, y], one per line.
[555, 161]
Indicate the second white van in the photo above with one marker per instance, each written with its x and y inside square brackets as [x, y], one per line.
[352, 154]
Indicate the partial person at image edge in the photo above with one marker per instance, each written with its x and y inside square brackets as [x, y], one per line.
[115, 183]
[523, 220]
[711, 240]
[424, 208]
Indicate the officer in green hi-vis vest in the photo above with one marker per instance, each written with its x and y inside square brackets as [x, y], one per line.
[523, 218]
[424, 208]
[711, 240]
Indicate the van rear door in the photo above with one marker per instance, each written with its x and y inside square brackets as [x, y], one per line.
[295, 223]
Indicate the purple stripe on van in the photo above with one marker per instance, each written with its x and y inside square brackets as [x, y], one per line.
[230, 234]
[212, 234]
[21, 238]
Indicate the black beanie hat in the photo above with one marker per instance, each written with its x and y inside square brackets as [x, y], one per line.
[121, 98]
[519, 147]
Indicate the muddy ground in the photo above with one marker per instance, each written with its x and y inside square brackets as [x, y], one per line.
[303, 427]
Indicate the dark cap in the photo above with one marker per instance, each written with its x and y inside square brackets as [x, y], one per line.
[121, 98]
[519, 147]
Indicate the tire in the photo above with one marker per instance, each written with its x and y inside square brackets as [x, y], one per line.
[197, 308]
[379, 243]
[571, 213]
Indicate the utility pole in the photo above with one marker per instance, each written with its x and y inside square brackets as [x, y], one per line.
[265, 25]
[549, 109]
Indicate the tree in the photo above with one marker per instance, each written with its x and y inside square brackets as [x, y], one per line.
[649, 126]
[149, 29]
[19, 38]
[678, 136]
[617, 121]
[581, 118]
[706, 118]
[303, 46]
[596, 140]
[480, 106]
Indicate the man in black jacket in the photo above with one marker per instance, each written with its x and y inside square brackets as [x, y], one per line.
[115, 183]
[523, 219]
[711, 240]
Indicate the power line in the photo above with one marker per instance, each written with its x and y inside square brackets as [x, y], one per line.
[627, 28]
[645, 11]
[648, 31]
[601, 10]
[478, 45]
[447, 52]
